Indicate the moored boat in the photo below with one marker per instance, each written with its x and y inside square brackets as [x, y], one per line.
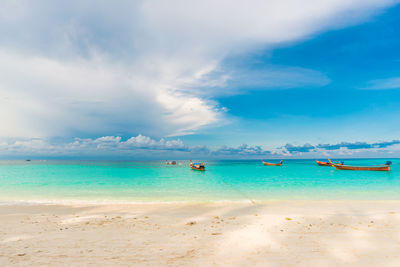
[272, 164]
[197, 166]
[323, 163]
[383, 167]
[170, 162]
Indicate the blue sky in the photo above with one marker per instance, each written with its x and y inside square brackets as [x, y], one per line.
[345, 108]
[151, 79]
[351, 59]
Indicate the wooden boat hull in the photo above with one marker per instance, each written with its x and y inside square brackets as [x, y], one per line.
[323, 163]
[272, 164]
[197, 166]
[361, 168]
[201, 168]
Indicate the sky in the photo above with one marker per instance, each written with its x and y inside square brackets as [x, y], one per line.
[179, 79]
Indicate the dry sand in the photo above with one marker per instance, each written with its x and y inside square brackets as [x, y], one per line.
[302, 233]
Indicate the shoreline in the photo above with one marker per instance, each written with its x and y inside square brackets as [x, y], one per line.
[78, 202]
[301, 233]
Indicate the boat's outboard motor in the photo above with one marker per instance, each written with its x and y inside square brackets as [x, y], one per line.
[388, 163]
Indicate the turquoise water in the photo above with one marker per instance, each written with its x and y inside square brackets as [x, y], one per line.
[223, 180]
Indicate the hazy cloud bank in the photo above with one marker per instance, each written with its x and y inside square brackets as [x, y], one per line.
[342, 147]
[143, 147]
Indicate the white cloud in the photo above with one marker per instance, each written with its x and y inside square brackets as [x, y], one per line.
[243, 150]
[81, 69]
[341, 149]
[107, 146]
[133, 143]
[382, 84]
[44, 97]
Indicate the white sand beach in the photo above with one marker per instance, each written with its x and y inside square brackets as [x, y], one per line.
[301, 233]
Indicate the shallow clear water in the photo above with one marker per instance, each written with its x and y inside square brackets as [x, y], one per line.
[223, 180]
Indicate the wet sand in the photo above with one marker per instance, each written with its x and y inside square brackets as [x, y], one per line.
[282, 233]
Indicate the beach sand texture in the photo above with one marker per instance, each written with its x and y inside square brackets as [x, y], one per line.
[284, 233]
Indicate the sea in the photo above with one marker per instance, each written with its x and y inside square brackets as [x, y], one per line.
[48, 181]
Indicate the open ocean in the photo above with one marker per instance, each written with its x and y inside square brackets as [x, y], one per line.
[230, 180]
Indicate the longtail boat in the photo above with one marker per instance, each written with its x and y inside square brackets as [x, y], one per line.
[383, 167]
[323, 163]
[197, 166]
[170, 162]
[272, 164]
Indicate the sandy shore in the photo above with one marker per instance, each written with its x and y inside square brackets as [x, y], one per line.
[306, 233]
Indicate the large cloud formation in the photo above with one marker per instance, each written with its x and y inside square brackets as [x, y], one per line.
[98, 68]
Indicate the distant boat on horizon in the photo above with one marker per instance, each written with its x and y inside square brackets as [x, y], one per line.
[272, 164]
[170, 162]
